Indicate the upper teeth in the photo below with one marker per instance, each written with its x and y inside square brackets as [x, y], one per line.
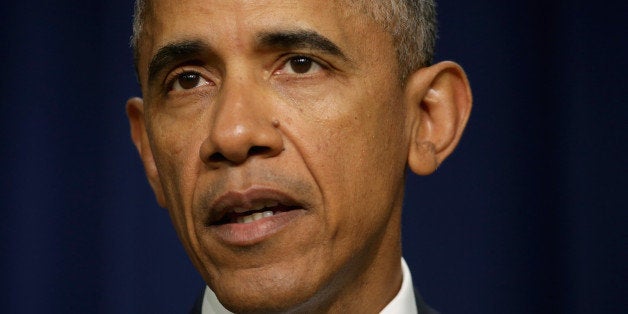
[254, 217]
[256, 207]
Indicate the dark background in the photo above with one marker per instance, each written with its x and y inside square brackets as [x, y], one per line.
[527, 216]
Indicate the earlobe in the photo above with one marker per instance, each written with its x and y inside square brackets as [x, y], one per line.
[439, 100]
[135, 113]
[423, 159]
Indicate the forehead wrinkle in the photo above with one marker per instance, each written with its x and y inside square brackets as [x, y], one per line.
[345, 8]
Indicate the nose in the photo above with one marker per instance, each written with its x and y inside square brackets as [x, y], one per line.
[242, 127]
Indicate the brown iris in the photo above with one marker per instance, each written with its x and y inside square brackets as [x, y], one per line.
[189, 80]
[301, 64]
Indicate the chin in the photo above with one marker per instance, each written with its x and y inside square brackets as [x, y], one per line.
[271, 291]
[266, 295]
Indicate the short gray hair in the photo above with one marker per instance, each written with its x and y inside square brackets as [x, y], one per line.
[411, 23]
[142, 7]
[413, 27]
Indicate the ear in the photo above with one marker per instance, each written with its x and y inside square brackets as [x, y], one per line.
[135, 112]
[439, 103]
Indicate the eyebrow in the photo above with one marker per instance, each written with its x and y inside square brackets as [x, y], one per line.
[299, 39]
[172, 53]
[285, 40]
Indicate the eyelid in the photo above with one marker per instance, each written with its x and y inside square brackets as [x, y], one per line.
[286, 58]
[170, 79]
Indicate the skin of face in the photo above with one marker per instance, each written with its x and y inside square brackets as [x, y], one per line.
[292, 107]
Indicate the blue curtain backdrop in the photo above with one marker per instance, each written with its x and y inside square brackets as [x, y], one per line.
[528, 215]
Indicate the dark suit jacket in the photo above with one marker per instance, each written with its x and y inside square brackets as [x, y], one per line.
[421, 306]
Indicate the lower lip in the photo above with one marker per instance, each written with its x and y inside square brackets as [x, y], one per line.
[247, 234]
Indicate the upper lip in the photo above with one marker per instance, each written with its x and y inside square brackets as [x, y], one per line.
[252, 199]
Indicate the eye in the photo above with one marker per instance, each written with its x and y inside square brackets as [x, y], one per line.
[188, 80]
[300, 65]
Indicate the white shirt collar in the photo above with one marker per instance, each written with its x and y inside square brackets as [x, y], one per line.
[403, 303]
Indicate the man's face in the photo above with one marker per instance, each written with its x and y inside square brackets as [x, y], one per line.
[279, 138]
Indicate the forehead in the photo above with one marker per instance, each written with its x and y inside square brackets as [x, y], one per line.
[237, 22]
[239, 18]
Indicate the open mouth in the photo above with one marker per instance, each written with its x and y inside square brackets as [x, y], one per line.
[243, 215]
[238, 208]
[245, 218]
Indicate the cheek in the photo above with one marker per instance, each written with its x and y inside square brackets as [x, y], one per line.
[176, 140]
[357, 157]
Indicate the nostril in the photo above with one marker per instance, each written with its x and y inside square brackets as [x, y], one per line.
[258, 150]
[217, 157]
[236, 156]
